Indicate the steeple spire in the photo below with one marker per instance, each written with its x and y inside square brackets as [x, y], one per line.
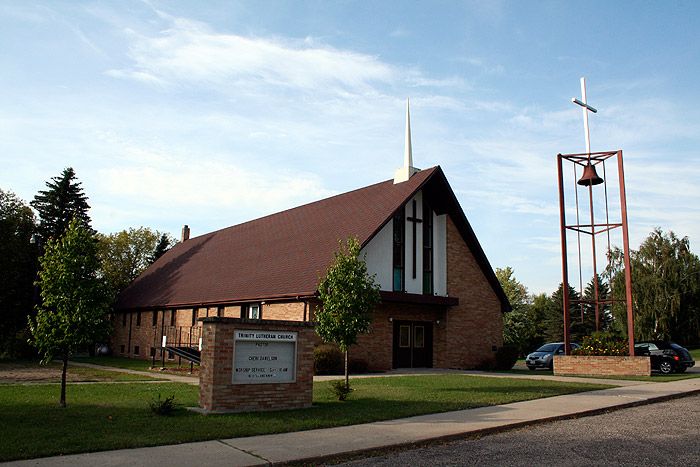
[408, 151]
[405, 172]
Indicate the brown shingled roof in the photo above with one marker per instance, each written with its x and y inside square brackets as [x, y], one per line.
[280, 255]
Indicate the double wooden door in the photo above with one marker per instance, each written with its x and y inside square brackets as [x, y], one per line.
[413, 344]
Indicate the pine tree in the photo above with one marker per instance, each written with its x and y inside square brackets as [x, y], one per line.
[165, 243]
[554, 314]
[57, 206]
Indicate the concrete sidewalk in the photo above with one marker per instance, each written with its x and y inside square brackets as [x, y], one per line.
[152, 374]
[194, 380]
[315, 445]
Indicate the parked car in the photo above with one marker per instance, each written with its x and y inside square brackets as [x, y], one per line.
[666, 357]
[544, 356]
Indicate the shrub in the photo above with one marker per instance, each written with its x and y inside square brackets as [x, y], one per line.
[163, 407]
[357, 365]
[506, 357]
[602, 343]
[328, 360]
[340, 390]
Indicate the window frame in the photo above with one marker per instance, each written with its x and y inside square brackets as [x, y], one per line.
[398, 242]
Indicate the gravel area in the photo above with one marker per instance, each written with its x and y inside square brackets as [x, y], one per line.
[665, 433]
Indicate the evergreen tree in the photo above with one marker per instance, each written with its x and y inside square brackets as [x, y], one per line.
[75, 302]
[554, 313]
[604, 311]
[62, 202]
[165, 243]
[18, 266]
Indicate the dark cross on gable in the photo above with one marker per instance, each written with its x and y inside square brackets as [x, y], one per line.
[415, 221]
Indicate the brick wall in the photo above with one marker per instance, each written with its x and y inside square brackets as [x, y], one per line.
[376, 348]
[217, 393]
[475, 326]
[601, 366]
[289, 311]
[465, 337]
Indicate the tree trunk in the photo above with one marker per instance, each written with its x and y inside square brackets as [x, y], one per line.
[347, 377]
[63, 380]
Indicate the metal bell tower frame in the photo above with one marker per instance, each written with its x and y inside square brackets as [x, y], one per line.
[589, 161]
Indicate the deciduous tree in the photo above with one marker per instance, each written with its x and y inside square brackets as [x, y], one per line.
[665, 288]
[348, 295]
[126, 254]
[75, 302]
[519, 330]
[18, 265]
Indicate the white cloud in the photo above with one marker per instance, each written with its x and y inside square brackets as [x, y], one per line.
[191, 52]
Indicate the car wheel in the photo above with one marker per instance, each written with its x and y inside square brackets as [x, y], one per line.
[666, 367]
[551, 365]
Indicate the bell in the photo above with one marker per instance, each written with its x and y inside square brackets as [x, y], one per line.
[590, 176]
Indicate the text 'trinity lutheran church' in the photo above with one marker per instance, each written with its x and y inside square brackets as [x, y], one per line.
[441, 302]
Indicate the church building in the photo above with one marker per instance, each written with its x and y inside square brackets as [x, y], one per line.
[441, 303]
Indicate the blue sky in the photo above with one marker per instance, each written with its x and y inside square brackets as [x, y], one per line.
[214, 113]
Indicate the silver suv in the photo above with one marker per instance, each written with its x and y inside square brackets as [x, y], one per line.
[544, 356]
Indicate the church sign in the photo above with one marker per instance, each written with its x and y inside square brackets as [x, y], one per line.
[264, 356]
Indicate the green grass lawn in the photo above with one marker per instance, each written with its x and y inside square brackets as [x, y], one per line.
[113, 416]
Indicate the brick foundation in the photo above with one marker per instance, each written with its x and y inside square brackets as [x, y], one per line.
[217, 393]
[601, 366]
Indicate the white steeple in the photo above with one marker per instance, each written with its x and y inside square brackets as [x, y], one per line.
[405, 172]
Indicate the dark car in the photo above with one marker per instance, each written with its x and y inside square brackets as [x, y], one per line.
[544, 356]
[666, 357]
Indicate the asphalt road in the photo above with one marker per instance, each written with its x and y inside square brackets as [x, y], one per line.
[665, 433]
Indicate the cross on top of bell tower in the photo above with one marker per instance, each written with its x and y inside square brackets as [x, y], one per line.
[586, 108]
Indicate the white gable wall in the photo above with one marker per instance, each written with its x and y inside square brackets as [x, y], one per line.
[378, 256]
[378, 253]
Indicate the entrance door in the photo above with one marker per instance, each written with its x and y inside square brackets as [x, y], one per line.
[413, 344]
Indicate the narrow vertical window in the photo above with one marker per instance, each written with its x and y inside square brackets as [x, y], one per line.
[254, 311]
[138, 318]
[195, 311]
[399, 251]
[427, 249]
[154, 319]
[173, 317]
